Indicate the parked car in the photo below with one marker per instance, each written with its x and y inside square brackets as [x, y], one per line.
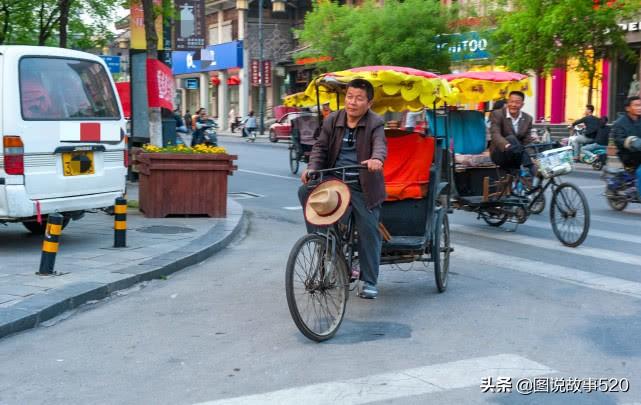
[282, 128]
[64, 147]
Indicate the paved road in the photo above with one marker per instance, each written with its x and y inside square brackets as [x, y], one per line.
[518, 305]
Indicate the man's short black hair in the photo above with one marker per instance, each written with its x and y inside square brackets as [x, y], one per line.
[363, 85]
[628, 101]
[518, 93]
[498, 105]
[590, 108]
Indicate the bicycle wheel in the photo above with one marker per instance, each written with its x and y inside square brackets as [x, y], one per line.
[316, 291]
[293, 160]
[495, 220]
[569, 215]
[441, 251]
[615, 201]
[538, 205]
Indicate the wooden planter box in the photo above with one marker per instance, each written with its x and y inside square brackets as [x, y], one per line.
[183, 184]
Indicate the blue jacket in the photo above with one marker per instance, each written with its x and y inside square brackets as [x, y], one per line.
[625, 128]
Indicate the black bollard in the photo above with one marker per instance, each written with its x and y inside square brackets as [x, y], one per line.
[50, 244]
[120, 223]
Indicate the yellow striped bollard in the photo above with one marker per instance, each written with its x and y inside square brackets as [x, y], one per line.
[50, 244]
[120, 223]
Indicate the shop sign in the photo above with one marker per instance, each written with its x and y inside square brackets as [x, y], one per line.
[190, 27]
[255, 74]
[215, 57]
[160, 85]
[464, 46]
[267, 72]
[631, 26]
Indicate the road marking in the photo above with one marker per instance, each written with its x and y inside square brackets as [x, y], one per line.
[293, 208]
[582, 278]
[269, 174]
[591, 187]
[400, 384]
[623, 237]
[552, 244]
[629, 222]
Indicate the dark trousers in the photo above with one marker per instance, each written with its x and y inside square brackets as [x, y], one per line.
[514, 157]
[369, 238]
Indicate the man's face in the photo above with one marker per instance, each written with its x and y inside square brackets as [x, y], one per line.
[514, 104]
[203, 114]
[588, 112]
[634, 109]
[356, 103]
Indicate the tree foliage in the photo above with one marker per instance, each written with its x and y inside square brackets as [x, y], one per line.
[78, 24]
[543, 34]
[397, 33]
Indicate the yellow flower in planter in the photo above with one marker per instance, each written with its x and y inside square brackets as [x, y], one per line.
[201, 148]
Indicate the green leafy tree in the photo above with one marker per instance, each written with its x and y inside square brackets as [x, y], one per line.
[543, 34]
[397, 33]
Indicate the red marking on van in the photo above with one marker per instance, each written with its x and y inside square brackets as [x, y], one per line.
[90, 131]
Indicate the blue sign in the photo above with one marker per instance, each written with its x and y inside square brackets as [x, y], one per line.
[465, 46]
[214, 57]
[113, 63]
[191, 84]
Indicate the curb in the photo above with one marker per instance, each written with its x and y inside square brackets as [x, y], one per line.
[42, 307]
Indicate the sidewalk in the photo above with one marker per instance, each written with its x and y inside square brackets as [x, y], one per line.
[89, 268]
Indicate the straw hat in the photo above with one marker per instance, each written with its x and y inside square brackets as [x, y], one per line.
[327, 203]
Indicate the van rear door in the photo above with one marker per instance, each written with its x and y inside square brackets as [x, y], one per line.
[71, 128]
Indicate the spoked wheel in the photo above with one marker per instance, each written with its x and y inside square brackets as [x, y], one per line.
[569, 215]
[316, 290]
[441, 251]
[615, 201]
[538, 205]
[272, 136]
[293, 160]
[495, 219]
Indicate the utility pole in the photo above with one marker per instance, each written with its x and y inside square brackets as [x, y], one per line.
[261, 73]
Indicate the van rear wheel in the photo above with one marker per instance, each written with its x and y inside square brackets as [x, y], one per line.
[39, 228]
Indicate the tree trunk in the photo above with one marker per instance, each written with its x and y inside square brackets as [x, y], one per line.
[64, 5]
[5, 22]
[591, 75]
[150, 28]
[151, 37]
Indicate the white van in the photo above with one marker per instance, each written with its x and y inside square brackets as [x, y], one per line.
[63, 135]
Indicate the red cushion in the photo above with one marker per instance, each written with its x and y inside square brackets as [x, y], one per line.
[407, 167]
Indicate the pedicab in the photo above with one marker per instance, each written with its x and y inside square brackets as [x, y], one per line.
[304, 131]
[495, 195]
[414, 225]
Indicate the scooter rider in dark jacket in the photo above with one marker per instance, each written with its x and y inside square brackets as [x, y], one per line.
[626, 132]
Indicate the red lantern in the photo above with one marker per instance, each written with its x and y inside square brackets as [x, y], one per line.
[215, 81]
[233, 81]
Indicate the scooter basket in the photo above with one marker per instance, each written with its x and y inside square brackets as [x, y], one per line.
[555, 162]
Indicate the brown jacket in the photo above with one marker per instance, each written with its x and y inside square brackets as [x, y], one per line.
[501, 127]
[371, 144]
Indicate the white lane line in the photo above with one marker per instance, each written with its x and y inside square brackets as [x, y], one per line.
[269, 174]
[400, 384]
[293, 208]
[552, 271]
[551, 244]
[623, 237]
[619, 221]
[592, 187]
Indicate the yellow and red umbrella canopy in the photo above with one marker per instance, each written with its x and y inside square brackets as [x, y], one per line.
[478, 87]
[395, 88]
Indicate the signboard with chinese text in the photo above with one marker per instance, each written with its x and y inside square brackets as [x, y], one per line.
[255, 74]
[160, 85]
[267, 72]
[137, 24]
[190, 25]
[113, 62]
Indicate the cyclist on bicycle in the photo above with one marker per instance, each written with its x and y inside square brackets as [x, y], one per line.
[626, 132]
[355, 135]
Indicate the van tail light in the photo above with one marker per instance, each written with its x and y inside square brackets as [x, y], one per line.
[13, 150]
[126, 152]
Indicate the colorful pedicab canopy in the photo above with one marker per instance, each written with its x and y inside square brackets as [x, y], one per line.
[396, 88]
[478, 87]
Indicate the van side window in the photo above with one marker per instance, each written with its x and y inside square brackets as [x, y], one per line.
[65, 89]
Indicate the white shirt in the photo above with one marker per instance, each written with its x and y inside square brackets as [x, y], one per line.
[515, 121]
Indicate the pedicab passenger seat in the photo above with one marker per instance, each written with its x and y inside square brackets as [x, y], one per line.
[407, 172]
[304, 130]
